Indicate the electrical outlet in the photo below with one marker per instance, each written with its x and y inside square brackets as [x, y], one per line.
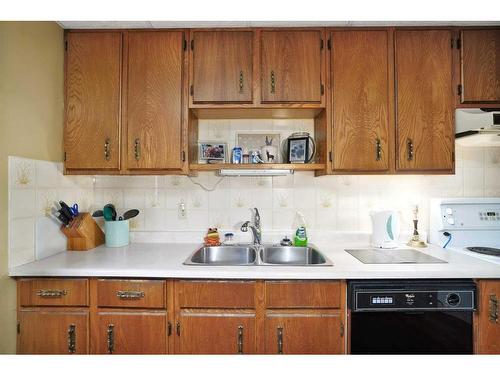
[181, 210]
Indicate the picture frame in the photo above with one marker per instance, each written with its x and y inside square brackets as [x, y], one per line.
[298, 150]
[268, 143]
[212, 152]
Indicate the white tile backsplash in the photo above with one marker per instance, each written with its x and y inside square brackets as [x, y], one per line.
[329, 203]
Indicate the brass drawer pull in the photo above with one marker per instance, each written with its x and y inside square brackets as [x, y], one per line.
[378, 150]
[280, 340]
[51, 293]
[130, 294]
[137, 149]
[240, 339]
[111, 338]
[493, 308]
[409, 149]
[273, 82]
[107, 149]
[241, 81]
[71, 338]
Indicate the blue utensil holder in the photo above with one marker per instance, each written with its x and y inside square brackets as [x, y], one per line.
[117, 233]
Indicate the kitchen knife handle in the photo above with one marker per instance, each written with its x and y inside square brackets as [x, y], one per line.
[107, 149]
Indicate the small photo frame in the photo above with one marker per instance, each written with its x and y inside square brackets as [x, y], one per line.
[212, 152]
[298, 150]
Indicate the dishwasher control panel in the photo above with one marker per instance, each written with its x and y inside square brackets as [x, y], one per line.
[377, 296]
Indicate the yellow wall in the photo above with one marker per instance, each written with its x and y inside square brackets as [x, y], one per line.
[31, 125]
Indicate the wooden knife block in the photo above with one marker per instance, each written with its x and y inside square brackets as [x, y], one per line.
[83, 233]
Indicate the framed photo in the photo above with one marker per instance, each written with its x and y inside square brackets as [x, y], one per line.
[267, 143]
[212, 152]
[298, 150]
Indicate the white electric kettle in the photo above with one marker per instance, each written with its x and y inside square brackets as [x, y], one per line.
[385, 229]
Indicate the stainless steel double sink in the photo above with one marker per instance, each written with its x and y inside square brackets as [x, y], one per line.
[263, 255]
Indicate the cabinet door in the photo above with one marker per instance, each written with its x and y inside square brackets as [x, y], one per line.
[424, 101]
[488, 327]
[93, 79]
[216, 332]
[53, 331]
[154, 100]
[480, 55]
[222, 66]
[360, 100]
[291, 66]
[131, 332]
[304, 332]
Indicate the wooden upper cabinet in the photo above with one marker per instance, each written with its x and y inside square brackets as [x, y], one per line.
[154, 100]
[93, 79]
[222, 66]
[488, 318]
[424, 101]
[360, 97]
[53, 331]
[291, 65]
[480, 73]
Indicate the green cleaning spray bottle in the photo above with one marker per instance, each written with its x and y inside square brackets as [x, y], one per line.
[300, 238]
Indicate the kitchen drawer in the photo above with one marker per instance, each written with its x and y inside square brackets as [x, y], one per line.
[53, 292]
[216, 294]
[131, 293]
[303, 294]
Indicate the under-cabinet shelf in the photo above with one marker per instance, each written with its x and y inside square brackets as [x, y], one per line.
[295, 167]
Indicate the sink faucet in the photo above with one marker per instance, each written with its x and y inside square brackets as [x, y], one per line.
[255, 227]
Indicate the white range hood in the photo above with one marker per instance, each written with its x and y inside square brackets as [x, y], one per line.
[477, 128]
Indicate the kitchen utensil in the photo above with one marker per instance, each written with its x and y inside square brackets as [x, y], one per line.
[98, 213]
[130, 214]
[57, 214]
[66, 210]
[83, 233]
[385, 229]
[109, 212]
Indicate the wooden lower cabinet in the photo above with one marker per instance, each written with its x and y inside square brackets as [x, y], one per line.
[53, 331]
[487, 319]
[304, 332]
[130, 332]
[216, 332]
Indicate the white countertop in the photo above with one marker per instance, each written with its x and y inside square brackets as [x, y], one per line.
[164, 260]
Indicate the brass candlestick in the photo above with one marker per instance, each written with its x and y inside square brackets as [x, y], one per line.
[415, 240]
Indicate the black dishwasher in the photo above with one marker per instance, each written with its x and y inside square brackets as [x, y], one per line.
[411, 316]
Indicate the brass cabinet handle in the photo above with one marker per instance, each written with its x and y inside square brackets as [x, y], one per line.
[169, 329]
[409, 149]
[273, 82]
[71, 338]
[378, 150]
[137, 149]
[240, 339]
[178, 328]
[130, 294]
[51, 293]
[241, 81]
[280, 340]
[493, 308]
[107, 149]
[342, 329]
[111, 338]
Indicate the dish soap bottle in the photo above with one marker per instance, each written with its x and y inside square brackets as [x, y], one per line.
[300, 238]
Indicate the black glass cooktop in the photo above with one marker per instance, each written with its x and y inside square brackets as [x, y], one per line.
[485, 250]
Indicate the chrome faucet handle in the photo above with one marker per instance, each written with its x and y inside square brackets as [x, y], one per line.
[256, 217]
[244, 226]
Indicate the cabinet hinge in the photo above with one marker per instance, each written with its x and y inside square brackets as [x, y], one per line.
[192, 45]
[330, 156]
[322, 89]
[191, 90]
[18, 328]
[459, 90]
[452, 43]
[183, 155]
[329, 44]
[321, 44]
[65, 45]
[184, 44]
[453, 156]
[342, 329]
[64, 155]
[459, 43]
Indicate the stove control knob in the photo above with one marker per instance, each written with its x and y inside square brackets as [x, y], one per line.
[453, 299]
